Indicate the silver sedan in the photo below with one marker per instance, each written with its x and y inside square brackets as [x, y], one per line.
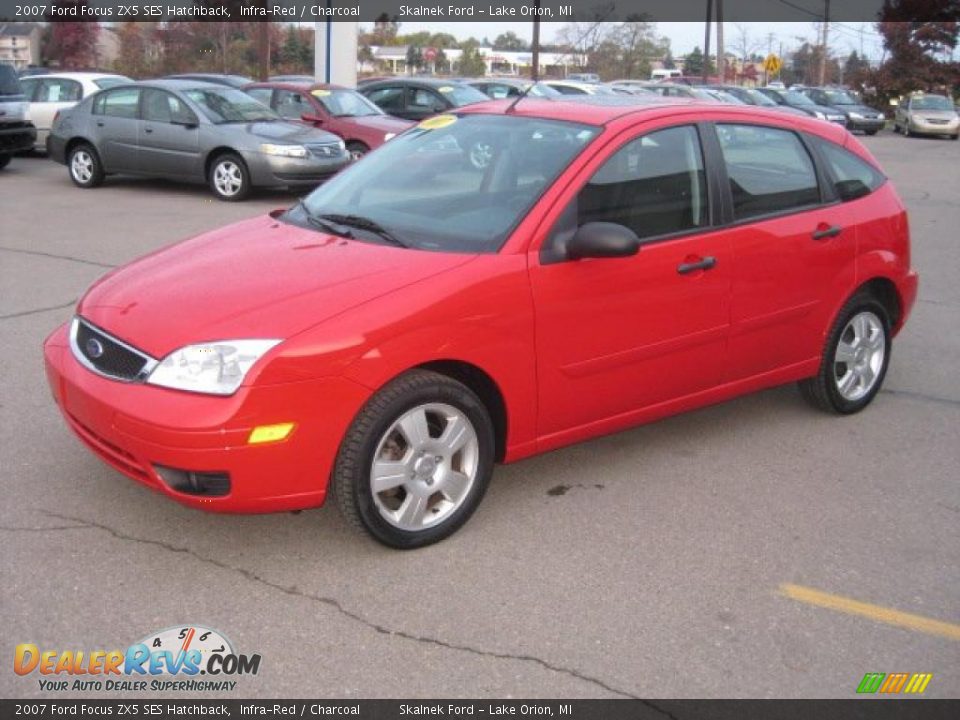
[191, 131]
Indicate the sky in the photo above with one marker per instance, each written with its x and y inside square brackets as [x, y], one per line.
[685, 35]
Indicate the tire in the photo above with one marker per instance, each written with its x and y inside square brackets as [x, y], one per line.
[229, 178]
[870, 132]
[861, 333]
[4, 161]
[954, 137]
[357, 150]
[429, 486]
[84, 166]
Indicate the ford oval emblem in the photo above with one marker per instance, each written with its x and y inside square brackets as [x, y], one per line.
[94, 348]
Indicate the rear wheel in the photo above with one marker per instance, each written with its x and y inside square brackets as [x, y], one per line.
[855, 358]
[357, 150]
[84, 165]
[416, 461]
[229, 178]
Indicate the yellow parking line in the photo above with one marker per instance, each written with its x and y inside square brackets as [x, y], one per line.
[874, 612]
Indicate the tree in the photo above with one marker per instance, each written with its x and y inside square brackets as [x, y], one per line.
[693, 63]
[509, 41]
[385, 30]
[668, 62]
[414, 58]
[471, 62]
[73, 44]
[132, 56]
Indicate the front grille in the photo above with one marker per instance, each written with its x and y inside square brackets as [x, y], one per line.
[325, 150]
[108, 356]
[937, 121]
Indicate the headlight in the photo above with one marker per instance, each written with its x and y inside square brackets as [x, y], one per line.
[217, 368]
[856, 116]
[881, 116]
[297, 151]
[389, 136]
[819, 114]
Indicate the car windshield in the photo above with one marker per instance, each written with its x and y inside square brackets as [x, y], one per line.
[226, 105]
[758, 98]
[109, 82]
[797, 98]
[451, 184]
[345, 103]
[461, 95]
[839, 97]
[931, 102]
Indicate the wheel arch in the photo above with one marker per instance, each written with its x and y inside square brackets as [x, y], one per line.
[78, 140]
[484, 387]
[215, 153]
[884, 290]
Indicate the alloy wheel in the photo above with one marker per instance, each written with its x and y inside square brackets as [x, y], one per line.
[859, 357]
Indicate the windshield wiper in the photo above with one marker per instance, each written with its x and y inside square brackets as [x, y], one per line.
[322, 223]
[365, 223]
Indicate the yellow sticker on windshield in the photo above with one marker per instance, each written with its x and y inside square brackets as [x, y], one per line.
[320, 93]
[437, 122]
[445, 88]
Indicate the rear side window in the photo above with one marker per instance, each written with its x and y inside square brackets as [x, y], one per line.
[770, 170]
[654, 185]
[388, 98]
[59, 90]
[851, 176]
[121, 102]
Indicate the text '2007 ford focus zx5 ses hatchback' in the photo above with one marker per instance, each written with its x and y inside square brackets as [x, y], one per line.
[423, 316]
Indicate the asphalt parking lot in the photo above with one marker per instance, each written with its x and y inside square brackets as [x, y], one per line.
[679, 559]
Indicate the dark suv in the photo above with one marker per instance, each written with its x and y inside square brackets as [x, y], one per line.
[17, 133]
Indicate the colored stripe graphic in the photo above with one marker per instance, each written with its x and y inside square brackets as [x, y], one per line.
[894, 683]
[918, 683]
[870, 683]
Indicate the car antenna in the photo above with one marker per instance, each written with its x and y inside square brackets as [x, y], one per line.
[520, 97]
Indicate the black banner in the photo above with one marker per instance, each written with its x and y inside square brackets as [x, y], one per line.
[874, 709]
[461, 11]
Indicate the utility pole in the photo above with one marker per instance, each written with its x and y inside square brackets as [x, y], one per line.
[706, 43]
[721, 59]
[823, 47]
[535, 74]
[263, 47]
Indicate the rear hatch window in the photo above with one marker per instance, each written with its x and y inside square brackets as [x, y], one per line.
[9, 84]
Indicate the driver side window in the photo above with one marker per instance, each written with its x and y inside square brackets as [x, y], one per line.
[654, 185]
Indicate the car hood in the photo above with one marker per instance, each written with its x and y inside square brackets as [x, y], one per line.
[260, 278]
[289, 132]
[384, 123]
[859, 109]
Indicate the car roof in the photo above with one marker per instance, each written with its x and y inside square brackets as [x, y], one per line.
[607, 109]
[180, 84]
[76, 76]
[426, 82]
[293, 85]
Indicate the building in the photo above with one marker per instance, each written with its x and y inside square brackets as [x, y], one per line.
[20, 44]
[393, 59]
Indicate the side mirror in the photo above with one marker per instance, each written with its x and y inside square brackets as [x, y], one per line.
[602, 240]
[309, 118]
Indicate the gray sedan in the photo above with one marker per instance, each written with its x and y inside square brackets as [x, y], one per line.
[191, 131]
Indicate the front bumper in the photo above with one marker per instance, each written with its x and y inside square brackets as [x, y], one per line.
[275, 171]
[17, 137]
[134, 427]
[865, 124]
[923, 127]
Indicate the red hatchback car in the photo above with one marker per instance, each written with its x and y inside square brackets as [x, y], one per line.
[417, 318]
[339, 110]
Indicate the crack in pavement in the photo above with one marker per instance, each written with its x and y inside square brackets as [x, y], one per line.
[51, 528]
[35, 311]
[922, 396]
[70, 258]
[82, 523]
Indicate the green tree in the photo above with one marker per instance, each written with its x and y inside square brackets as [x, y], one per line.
[471, 63]
[414, 59]
[509, 41]
[668, 61]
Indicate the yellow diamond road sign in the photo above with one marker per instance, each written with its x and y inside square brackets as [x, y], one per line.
[772, 63]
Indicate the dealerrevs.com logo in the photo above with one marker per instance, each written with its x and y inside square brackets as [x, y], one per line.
[184, 658]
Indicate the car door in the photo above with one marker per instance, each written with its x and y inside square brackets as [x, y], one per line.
[616, 335]
[116, 128]
[169, 140]
[793, 251]
[423, 103]
[51, 96]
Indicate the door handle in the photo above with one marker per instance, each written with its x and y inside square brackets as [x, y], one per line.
[148, 130]
[822, 233]
[100, 123]
[707, 263]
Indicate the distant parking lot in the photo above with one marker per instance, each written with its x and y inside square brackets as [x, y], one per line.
[755, 548]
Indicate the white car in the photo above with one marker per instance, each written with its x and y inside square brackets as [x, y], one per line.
[49, 94]
[575, 87]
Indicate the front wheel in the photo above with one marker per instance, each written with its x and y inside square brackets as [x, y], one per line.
[855, 359]
[229, 178]
[416, 461]
[4, 161]
[357, 150]
[86, 171]
[870, 132]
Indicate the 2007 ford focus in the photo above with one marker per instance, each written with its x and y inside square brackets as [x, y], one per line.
[423, 316]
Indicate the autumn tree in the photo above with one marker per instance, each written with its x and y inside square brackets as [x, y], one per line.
[73, 45]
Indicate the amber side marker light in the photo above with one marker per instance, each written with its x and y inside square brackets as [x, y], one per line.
[270, 433]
